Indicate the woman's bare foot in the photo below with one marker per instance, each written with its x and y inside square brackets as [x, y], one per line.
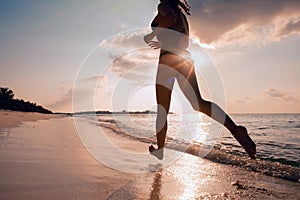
[241, 135]
[158, 153]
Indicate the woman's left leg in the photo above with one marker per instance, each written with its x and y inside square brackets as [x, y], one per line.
[188, 83]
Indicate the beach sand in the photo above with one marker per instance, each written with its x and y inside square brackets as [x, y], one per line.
[46, 159]
[9, 119]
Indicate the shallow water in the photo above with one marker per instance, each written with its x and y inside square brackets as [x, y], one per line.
[277, 137]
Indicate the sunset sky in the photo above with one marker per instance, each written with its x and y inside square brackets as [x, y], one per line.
[255, 46]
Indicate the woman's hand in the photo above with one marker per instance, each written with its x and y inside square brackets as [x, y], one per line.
[148, 38]
[154, 45]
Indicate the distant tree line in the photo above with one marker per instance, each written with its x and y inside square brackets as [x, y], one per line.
[7, 102]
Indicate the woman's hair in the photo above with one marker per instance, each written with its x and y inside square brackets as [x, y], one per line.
[183, 4]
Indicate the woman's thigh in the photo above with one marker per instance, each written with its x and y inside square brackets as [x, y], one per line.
[165, 79]
[164, 85]
[187, 82]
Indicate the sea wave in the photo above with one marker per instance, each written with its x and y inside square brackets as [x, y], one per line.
[276, 167]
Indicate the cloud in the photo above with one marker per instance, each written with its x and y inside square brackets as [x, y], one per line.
[273, 93]
[123, 64]
[134, 66]
[82, 96]
[129, 55]
[243, 101]
[126, 40]
[64, 101]
[92, 78]
[98, 79]
[270, 100]
[95, 78]
[222, 20]
[123, 26]
[295, 98]
[291, 27]
[281, 95]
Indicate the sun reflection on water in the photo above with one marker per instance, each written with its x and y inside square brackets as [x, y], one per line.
[202, 130]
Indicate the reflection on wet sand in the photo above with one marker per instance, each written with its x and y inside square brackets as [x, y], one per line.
[186, 174]
[156, 186]
[182, 180]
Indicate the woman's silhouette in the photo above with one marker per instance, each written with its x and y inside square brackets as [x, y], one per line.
[171, 29]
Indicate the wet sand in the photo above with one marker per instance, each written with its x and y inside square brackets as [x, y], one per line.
[46, 160]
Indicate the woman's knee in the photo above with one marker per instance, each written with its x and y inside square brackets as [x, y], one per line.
[202, 106]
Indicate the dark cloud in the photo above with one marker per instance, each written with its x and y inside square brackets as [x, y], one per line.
[291, 27]
[212, 19]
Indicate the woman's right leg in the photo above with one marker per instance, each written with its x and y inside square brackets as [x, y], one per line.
[163, 105]
[163, 97]
[164, 85]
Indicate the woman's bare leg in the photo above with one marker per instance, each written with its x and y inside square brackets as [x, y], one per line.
[163, 105]
[164, 85]
[173, 65]
[188, 83]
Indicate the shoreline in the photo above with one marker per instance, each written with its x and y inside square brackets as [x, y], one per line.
[47, 160]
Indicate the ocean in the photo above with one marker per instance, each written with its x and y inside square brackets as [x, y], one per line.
[277, 137]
